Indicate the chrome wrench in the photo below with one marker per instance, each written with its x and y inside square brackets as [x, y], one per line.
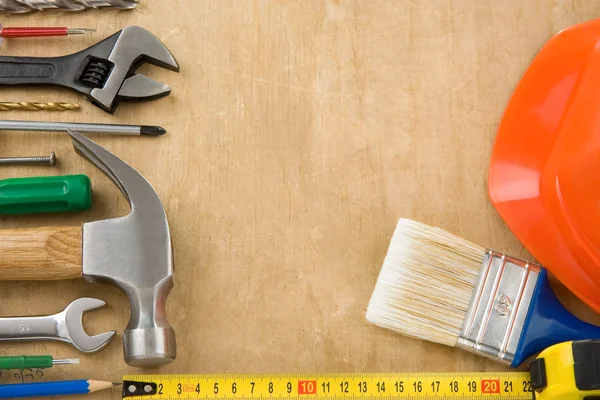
[66, 326]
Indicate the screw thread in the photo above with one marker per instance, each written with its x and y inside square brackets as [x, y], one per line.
[47, 160]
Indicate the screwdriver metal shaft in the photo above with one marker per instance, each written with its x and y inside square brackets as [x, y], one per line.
[79, 31]
[66, 361]
[112, 129]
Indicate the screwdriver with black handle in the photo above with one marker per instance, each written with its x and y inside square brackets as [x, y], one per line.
[45, 194]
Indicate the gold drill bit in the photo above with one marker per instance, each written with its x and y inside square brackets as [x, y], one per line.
[31, 106]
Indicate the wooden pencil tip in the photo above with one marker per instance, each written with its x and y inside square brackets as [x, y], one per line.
[95, 386]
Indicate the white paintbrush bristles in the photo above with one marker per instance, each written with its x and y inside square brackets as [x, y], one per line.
[426, 283]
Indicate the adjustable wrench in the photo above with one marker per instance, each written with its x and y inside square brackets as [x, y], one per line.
[66, 326]
[104, 73]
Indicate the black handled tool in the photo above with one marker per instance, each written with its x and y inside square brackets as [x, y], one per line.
[104, 73]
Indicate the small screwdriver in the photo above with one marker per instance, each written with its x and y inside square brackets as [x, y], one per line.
[21, 32]
[45, 194]
[30, 362]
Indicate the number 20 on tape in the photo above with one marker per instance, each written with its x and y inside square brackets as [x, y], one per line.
[508, 385]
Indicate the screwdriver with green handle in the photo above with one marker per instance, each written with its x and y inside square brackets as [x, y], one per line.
[30, 362]
[45, 194]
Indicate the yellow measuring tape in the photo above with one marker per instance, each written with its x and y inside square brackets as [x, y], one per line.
[446, 385]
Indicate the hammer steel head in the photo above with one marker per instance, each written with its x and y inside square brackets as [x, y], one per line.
[133, 252]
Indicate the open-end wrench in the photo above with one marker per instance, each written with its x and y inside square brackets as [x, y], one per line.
[66, 326]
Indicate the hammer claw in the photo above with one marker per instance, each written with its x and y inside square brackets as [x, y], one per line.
[98, 156]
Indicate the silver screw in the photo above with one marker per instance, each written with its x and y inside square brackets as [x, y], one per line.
[49, 160]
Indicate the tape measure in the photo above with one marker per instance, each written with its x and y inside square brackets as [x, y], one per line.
[444, 385]
[566, 371]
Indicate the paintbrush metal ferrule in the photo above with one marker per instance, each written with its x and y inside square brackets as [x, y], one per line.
[499, 307]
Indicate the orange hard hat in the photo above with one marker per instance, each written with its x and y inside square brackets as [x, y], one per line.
[544, 176]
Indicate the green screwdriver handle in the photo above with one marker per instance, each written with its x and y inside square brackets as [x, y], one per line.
[45, 194]
[25, 362]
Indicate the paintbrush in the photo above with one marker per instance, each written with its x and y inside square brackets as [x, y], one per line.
[439, 287]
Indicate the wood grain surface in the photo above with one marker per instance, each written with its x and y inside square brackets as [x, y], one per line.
[43, 254]
[299, 132]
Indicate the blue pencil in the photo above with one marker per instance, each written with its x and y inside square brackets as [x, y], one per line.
[59, 388]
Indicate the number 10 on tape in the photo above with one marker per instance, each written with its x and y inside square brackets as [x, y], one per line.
[507, 385]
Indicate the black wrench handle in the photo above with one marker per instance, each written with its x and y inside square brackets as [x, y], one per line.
[30, 71]
[43, 71]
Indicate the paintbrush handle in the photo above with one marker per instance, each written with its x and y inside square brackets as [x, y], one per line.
[41, 254]
[549, 322]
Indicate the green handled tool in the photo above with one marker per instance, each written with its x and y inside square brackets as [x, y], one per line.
[45, 194]
[30, 362]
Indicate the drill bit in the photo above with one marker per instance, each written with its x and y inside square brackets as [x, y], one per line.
[31, 106]
[24, 6]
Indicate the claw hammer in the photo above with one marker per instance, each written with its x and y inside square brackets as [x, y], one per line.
[133, 252]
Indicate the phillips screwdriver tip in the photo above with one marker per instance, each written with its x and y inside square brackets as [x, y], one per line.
[152, 130]
[79, 31]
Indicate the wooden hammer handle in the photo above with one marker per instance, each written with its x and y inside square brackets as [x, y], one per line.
[40, 254]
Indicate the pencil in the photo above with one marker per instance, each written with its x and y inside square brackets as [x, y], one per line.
[439, 287]
[58, 388]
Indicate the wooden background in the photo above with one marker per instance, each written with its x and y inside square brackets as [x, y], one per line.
[299, 132]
